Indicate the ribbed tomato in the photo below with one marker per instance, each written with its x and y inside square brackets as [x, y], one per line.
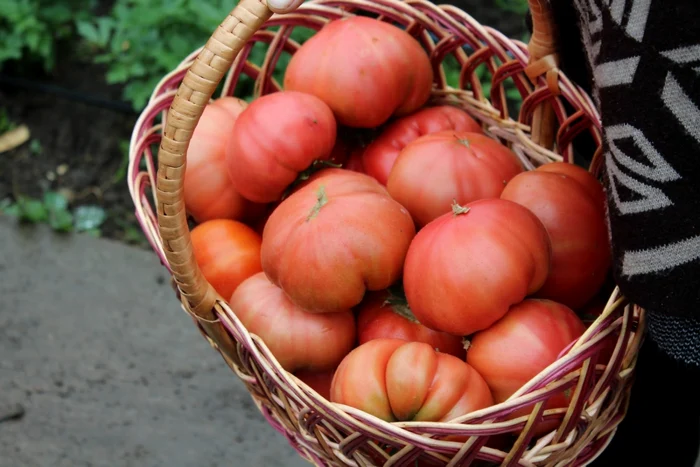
[466, 268]
[227, 252]
[520, 345]
[439, 168]
[275, 138]
[335, 237]
[385, 315]
[570, 203]
[299, 340]
[587, 181]
[396, 380]
[379, 157]
[208, 191]
[366, 70]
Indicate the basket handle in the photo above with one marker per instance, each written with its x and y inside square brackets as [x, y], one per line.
[194, 93]
[544, 61]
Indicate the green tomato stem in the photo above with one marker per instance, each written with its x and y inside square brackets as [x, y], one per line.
[464, 142]
[398, 303]
[321, 200]
[466, 343]
[402, 309]
[457, 209]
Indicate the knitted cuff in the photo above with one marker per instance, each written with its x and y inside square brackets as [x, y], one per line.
[678, 337]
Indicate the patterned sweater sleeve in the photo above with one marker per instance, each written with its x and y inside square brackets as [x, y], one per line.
[640, 60]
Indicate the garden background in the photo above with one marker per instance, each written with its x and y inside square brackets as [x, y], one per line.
[73, 76]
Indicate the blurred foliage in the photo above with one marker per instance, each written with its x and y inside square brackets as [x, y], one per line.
[519, 7]
[139, 41]
[31, 29]
[136, 42]
[142, 40]
[53, 209]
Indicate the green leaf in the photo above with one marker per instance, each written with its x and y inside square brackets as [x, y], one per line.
[57, 12]
[35, 147]
[88, 31]
[98, 32]
[133, 235]
[61, 221]
[13, 210]
[5, 123]
[29, 29]
[88, 217]
[118, 74]
[9, 208]
[121, 171]
[97, 233]
[32, 210]
[302, 34]
[59, 217]
[514, 94]
[519, 7]
[105, 27]
[55, 201]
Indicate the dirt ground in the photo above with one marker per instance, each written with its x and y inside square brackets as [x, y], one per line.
[79, 150]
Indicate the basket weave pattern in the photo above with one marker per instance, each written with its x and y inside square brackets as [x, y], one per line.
[329, 434]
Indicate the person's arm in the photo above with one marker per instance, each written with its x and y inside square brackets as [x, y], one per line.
[644, 60]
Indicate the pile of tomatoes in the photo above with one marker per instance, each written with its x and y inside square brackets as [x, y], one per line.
[389, 253]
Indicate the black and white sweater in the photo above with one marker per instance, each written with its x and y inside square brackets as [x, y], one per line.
[640, 60]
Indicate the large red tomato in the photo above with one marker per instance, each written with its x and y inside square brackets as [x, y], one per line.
[366, 70]
[232, 105]
[227, 252]
[396, 380]
[379, 157]
[466, 268]
[574, 216]
[381, 314]
[276, 137]
[520, 345]
[335, 237]
[439, 168]
[208, 191]
[299, 340]
[582, 176]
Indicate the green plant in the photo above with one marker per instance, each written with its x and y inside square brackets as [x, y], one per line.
[120, 173]
[452, 71]
[30, 29]
[6, 124]
[518, 7]
[142, 40]
[53, 209]
[35, 147]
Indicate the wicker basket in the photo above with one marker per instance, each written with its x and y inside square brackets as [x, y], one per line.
[554, 111]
